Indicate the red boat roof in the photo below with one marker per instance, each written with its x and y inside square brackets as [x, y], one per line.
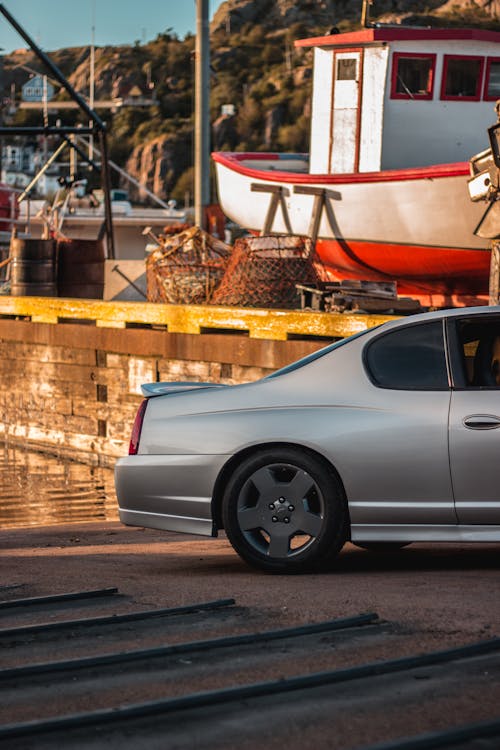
[398, 33]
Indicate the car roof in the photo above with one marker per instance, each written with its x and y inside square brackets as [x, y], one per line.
[440, 314]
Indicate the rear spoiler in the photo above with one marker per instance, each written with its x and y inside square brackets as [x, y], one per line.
[150, 390]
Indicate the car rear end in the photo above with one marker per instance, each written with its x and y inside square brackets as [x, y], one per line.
[158, 486]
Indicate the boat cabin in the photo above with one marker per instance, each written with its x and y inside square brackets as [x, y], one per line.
[397, 97]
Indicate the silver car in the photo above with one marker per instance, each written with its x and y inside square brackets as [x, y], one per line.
[388, 437]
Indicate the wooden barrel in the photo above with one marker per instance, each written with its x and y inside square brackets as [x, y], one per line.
[80, 269]
[33, 268]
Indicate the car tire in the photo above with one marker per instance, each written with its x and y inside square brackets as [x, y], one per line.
[284, 511]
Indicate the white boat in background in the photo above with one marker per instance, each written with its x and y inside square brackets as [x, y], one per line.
[396, 114]
[83, 220]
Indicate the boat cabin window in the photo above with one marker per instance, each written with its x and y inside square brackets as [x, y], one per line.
[412, 75]
[346, 69]
[462, 77]
[492, 79]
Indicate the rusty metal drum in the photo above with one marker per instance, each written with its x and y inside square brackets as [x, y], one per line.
[33, 268]
[80, 268]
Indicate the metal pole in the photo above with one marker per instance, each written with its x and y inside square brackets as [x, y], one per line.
[45, 115]
[41, 172]
[106, 186]
[92, 77]
[73, 162]
[51, 130]
[81, 153]
[202, 116]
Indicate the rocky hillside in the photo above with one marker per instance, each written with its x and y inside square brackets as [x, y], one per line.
[281, 14]
[254, 66]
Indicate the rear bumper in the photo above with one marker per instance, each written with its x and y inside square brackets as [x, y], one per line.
[167, 523]
[168, 492]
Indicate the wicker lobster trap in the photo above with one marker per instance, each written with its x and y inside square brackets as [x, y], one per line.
[186, 268]
[264, 272]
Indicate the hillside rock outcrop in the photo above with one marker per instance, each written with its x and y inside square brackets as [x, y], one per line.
[158, 163]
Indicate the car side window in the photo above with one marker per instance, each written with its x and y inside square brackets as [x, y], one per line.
[409, 358]
[479, 344]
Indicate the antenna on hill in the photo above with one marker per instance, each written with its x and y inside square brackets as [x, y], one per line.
[365, 14]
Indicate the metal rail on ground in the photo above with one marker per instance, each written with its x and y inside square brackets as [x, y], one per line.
[47, 627]
[192, 646]
[53, 598]
[192, 701]
[444, 738]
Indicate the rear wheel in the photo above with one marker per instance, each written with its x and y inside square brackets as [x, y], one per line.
[284, 511]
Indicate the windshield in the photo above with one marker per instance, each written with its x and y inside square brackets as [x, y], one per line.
[316, 355]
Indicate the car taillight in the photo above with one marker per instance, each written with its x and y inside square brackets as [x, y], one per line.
[136, 429]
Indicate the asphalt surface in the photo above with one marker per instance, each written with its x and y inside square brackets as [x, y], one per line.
[427, 597]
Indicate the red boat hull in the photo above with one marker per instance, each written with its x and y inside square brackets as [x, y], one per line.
[438, 276]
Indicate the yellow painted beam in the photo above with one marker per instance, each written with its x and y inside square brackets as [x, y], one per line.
[260, 323]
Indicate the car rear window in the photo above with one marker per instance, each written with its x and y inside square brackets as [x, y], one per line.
[316, 355]
[409, 358]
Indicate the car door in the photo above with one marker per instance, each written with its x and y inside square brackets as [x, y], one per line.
[404, 477]
[474, 421]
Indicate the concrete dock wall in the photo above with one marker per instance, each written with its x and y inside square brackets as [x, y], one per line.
[72, 386]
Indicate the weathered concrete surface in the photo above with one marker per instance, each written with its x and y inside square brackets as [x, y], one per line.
[72, 369]
[445, 593]
[430, 597]
[74, 389]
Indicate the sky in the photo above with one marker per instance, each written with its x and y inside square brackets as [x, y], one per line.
[68, 23]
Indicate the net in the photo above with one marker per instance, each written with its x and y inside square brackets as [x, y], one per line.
[264, 272]
[186, 268]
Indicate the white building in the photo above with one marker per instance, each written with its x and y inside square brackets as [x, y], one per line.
[20, 163]
[37, 89]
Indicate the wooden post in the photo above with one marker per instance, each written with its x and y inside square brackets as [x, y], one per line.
[494, 287]
[365, 13]
[318, 206]
[277, 199]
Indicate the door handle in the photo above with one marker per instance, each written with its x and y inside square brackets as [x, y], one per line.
[481, 422]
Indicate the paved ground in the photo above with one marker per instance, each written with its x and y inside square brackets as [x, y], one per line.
[449, 594]
[430, 596]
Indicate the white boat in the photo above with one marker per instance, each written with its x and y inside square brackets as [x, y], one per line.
[396, 112]
[80, 220]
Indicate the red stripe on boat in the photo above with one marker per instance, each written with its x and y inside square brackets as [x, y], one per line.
[233, 161]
